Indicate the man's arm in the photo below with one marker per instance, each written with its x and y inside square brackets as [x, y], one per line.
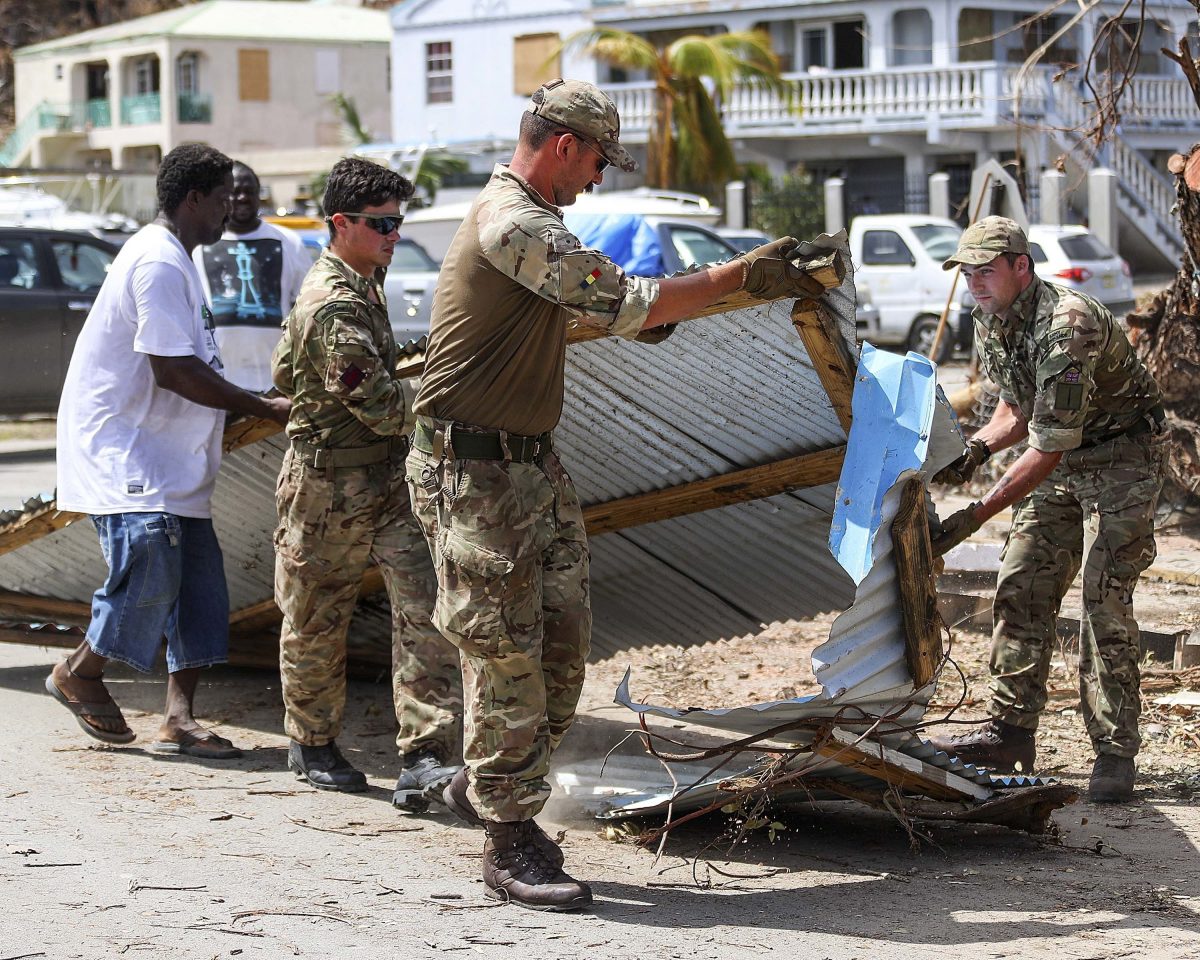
[1006, 427]
[1019, 480]
[680, 297]
[195, 380]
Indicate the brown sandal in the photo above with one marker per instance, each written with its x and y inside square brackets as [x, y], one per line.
[107, 710]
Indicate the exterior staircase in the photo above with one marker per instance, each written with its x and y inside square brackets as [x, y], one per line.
[1145, 197]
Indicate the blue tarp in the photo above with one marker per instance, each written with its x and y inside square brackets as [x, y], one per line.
[894, 404]
[625, 238]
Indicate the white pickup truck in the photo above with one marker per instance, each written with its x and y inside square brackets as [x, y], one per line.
[899, 257]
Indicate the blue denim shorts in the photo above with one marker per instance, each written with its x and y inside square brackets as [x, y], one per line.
[166, 579]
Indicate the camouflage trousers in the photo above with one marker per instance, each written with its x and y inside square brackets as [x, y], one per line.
[1096, 510]
[512, 567]
[331, 525]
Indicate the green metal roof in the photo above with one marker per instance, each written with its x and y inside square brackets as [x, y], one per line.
[236, 20]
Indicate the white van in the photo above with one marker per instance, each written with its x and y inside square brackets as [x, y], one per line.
[899, 256]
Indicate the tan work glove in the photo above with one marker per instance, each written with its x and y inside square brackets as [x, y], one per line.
[954, 530]
[656, 334]
[771, 274]
[962, 469]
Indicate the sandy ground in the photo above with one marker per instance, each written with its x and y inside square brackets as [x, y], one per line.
[116, 852]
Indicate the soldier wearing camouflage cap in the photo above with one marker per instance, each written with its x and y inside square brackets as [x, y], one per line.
[343, 503]
[497, 506]
[1084, 493]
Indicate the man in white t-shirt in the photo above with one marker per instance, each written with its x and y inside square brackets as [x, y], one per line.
[251, 277]
[139, 445]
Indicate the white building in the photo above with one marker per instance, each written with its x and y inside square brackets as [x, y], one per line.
[884, 92]
[251, 77]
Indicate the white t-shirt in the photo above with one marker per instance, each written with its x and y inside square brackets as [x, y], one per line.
[251, 280]
[125, 445]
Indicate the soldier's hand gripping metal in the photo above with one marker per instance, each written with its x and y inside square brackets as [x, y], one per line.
[772, 273]
[954, 530]
[962, 469]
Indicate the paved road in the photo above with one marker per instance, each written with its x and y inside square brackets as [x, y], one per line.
[26, 469]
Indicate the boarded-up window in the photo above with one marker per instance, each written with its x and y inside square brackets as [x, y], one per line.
[975, 35]
[439, 72]
[254, 75]
[535, 60]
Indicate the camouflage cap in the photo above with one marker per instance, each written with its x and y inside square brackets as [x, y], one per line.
[584, 108]
[984, 241]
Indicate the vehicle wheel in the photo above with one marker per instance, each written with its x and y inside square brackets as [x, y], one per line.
[920, 338]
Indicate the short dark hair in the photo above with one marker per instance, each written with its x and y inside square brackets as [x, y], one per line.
[355, 184]
[537, 130]
[239, 167]
[193, 166]
[1012, 259]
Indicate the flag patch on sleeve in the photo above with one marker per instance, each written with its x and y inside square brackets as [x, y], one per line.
[352, 376]
[590, 279]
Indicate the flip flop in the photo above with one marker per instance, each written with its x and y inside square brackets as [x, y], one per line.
[205, 745]
[108, 710]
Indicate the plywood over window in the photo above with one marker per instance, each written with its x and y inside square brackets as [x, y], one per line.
[254, 75]
[535, 60]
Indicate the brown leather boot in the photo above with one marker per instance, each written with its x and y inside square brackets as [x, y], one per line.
[515, 870]
[995, 746]
[455, 797]
[1112, 779]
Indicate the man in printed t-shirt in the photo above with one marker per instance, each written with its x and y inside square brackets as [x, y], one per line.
[251, 277]
[139, 446]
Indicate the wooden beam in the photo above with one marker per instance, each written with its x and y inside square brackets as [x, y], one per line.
[829, 354]
[898, 769]
[752, 483]
[50, 609]
[923, 626]
[34, 526]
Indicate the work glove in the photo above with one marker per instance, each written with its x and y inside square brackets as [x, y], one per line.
[954, 530]
[771, 273]
[962, 469]
[656, 334]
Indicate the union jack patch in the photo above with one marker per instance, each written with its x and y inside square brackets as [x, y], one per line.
[590, 279]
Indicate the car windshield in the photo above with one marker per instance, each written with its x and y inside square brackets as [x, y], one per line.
[939, 240]
[1084, 246]
[745, 243]
[410, 257]
[697, 246]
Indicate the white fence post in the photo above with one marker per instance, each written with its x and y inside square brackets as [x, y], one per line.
[1102, 205]
[939, 195]
[835, 208]
[735, 205]
[1053, 197]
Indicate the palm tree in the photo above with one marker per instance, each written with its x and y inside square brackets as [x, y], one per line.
[687, 144]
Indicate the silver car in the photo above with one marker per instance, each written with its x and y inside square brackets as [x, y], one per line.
[409, 287]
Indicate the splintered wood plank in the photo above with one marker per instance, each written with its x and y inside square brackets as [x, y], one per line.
[915, 576]
[830, 356]
[898, 769]
[50, 609]
[752, 483]
[34, 526]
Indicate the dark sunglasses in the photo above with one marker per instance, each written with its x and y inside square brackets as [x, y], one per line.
[604, 163]
[380, 223]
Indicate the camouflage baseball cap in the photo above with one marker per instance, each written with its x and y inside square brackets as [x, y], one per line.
[584, 108]
[984, 241]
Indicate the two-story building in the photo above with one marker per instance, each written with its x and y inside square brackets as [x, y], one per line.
[254, 78]
[882, 92]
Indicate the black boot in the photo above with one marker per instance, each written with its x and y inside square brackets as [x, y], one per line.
[515, 870]
[325, 768]
[995, 745]
[455, 797]
[422, 778]
[1112, 779]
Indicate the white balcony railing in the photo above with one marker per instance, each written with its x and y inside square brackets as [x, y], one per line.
[966, 94]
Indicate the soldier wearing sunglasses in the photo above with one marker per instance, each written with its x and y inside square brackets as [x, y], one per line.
[497, 506]
[343, 503]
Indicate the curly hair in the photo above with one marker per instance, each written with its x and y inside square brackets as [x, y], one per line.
[193, 166]
[355, 184]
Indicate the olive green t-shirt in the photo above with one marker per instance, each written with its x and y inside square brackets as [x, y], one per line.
[512, 281]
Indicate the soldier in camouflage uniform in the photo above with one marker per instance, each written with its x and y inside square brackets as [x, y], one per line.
[495, 502]
[343, 503]
[1085, 492]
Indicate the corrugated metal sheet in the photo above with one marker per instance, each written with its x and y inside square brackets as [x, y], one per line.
[902, 427]
[731, 391]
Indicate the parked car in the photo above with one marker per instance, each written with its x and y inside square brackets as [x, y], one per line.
[900, 256]
[1072, 257]
[48, 282]
[743, 239]
[409, 285]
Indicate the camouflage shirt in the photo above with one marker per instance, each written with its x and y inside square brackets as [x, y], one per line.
[336, 361]
[1067, 364]
[512, 281]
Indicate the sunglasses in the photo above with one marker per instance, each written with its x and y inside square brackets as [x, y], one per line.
[604, 163]
[380, 223]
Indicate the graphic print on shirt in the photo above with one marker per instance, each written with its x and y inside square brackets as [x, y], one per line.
[245, 279]
[210, 339]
